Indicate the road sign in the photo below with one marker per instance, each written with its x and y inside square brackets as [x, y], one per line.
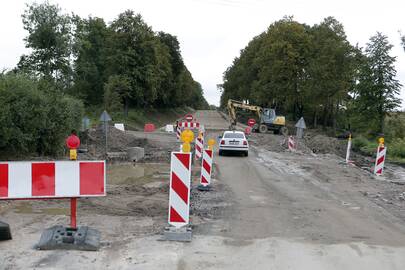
[188, 117]
[301, 123]
[105, 117]
[251, 122]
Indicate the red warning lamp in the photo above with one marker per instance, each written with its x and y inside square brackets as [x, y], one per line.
[73, 142]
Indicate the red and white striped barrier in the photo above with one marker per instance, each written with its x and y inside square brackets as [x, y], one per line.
[179, 194]
[199, 146]
[380, 160]
[52, 179]
[192, 125]
[178, 133]
[291, 143]
[206, 168]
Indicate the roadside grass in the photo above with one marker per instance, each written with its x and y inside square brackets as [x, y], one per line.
[138, 117]
[395, 148]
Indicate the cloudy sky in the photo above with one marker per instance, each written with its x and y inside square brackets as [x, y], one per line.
[212, 32]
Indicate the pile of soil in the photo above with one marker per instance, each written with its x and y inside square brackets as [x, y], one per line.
[117, 141]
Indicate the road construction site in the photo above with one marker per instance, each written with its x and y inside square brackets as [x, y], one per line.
[275, 209]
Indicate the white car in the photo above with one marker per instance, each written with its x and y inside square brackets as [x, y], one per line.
[233, 141]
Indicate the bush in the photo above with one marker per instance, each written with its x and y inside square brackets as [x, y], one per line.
[396, 148]
[34, 116]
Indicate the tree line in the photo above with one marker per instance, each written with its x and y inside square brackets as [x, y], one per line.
[314, 71]
[120, 65]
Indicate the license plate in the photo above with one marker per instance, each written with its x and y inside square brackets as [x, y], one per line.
[233, 143]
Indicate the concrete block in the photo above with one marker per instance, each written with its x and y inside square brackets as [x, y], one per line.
[135, 153]
[59, 237]
[183, 234]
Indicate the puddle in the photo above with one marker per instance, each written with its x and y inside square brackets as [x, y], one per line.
[26, 208]
[141, 173]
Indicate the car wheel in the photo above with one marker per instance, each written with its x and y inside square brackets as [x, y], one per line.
[246, 153]
[220, 153]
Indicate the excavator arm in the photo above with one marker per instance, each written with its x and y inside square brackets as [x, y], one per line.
[233, 104]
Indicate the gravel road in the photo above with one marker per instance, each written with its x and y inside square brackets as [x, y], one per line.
[272, 210]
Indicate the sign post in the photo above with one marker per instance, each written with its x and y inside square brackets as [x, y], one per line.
[105, 118]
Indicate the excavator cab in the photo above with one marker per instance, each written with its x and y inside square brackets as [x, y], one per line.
[268, 116]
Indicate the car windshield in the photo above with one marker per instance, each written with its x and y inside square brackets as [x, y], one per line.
[234, 136]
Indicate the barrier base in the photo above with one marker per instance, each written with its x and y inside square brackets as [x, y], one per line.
[183, 234]
[60, 237]
[204, 188]
[5, 233]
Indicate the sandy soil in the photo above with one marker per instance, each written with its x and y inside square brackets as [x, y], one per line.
[273, 210]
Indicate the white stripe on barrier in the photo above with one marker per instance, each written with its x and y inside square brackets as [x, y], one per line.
[19, 183]
[67, 179]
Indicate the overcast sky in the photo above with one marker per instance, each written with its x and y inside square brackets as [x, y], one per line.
[212, 32]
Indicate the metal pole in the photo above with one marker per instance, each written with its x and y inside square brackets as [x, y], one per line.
[73, 206]
[106, 131]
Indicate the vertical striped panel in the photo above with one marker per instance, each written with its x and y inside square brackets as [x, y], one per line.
[67, 179]
[43, 179]
[92, 178]
[19, 180]
[3, 180]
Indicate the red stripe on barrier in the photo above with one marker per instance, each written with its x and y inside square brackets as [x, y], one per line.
[209, 152]
[3, 180]
[174, 216]
[203, 180]
[179, 187]
[379, 171]
[43, 179]
[184, 159]
[91, 178]
[206, 166]
[381, 159]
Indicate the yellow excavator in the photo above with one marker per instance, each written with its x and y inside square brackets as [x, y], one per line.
[267, 118]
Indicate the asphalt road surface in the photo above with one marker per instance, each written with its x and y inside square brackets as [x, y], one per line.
[279, 210]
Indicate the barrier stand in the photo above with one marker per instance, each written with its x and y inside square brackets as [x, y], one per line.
[206, 167]
[380, 157]
[179, 194]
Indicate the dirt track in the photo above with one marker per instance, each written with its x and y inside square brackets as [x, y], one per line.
[272, 210]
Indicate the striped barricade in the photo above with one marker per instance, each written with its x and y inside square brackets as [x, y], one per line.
[55, 179]
[292, 146]
[380, 160]
[179, 194]
[192, 125]
[199, 145]
[206, 168]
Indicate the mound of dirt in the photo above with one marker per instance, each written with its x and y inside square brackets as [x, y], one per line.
[322, 144]
[117, 141]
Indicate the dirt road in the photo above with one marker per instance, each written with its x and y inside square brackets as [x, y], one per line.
[272, 210]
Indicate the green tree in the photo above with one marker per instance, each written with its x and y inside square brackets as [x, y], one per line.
[90, 63]
[49, 38]
[117, 93]
[376, 93]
